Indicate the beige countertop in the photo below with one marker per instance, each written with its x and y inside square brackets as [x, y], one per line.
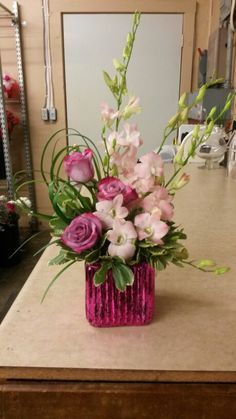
[192, 337]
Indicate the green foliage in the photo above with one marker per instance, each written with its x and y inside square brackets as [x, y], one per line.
[100, 274]
[122, 274]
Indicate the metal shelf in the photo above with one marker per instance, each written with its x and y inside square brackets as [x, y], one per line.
[14, 17]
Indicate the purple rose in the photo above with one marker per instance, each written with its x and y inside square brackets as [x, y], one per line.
[78, 166]
[109, 187]
[83, 232]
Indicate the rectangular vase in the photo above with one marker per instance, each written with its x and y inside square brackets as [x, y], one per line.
[106, 306]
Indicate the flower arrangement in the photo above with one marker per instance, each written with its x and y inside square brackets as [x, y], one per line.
[10, 210]
[12, 121]
[114, 209]
[10, 86]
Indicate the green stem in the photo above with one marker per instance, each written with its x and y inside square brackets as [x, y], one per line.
[196, 267]
[165, 136]
[173, 176]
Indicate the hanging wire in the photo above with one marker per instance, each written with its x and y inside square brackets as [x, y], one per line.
[49, 94]
[6, 10]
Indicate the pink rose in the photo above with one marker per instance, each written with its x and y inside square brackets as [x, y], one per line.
[82, 233]
[78, 166]
[110, 187]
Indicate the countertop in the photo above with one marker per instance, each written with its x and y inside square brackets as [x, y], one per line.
[192, 337]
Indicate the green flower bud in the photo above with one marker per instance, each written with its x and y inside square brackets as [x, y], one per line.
[222, 270]
[129, 38]
[179, 156]
[182, 100]
[201, 94]
[105, 160]
[118, 66]
[192, 147]
[173, 121]
[195, 133]
[212, 113]
[184, 115]
[205, 263]
[209, 128]
[228, 102]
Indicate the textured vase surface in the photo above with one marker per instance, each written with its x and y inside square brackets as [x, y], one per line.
[106, 306]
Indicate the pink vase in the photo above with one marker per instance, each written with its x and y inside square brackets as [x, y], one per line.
[106, 306]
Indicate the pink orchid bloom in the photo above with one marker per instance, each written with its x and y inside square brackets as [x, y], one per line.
[151, 165]
[108, 211]
[149, 226]
[122, 239]
[125, 162]
[142, 186]
[159, 201]
[108, 114]
[129, 136]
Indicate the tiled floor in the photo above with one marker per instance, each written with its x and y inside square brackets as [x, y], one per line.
[13, 278]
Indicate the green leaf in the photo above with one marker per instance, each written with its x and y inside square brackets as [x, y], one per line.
[107, 79]
[59, 259]
[177, 263]
[100, 275]
[122, 275]
[160, 264]
[57, 225]
[157, 251]
[93, 256]
[181, 254]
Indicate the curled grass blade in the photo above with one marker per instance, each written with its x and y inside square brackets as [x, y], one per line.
[55, 278]
[46, 246]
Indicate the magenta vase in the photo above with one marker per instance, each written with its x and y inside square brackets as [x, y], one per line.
[106, 306]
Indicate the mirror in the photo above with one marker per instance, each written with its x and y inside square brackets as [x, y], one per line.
[91, 41]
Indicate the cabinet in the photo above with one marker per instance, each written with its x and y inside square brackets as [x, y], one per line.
[11, 20]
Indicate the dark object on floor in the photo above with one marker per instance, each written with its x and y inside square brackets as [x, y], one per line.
[2, 162]
[12, 278]
[9, 242]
